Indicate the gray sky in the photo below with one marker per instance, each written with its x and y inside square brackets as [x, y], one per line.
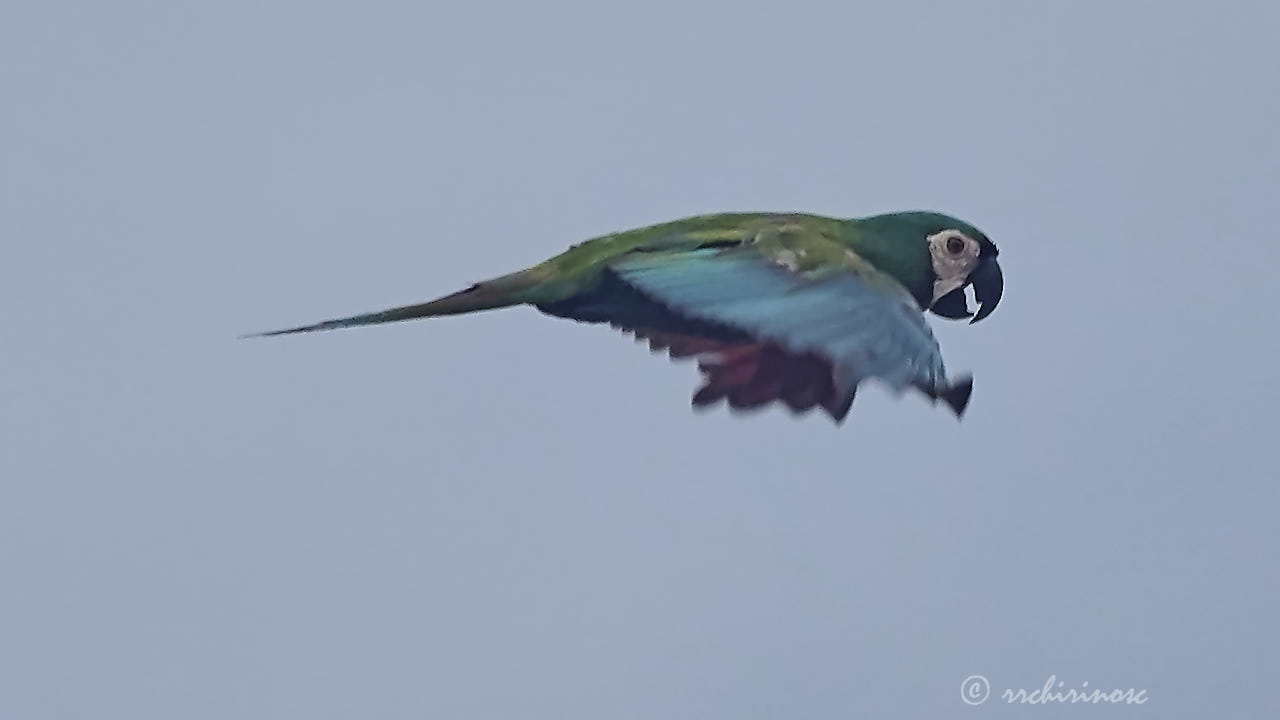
[509, 516]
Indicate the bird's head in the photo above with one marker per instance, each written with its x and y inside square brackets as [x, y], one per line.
[962, 256]
[936, 256]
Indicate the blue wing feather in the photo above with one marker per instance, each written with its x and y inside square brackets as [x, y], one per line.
[865, 328]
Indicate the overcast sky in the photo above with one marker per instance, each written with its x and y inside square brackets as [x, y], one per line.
[510, 516]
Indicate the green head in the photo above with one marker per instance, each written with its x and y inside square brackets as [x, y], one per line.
[937, 256]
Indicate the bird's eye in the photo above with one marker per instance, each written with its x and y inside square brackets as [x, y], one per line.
[955, 245]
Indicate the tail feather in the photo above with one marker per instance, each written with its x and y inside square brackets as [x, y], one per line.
[499, 292]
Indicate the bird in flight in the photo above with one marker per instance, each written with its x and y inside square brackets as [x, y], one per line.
[784, 307]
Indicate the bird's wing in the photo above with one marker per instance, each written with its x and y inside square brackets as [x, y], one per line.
[804, 320]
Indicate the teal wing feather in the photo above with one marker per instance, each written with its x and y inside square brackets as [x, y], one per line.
[860, 320]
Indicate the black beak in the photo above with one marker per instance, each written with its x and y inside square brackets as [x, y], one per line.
[988, 286]
[952, 305]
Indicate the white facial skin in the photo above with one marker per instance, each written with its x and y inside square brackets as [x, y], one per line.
[954, 256]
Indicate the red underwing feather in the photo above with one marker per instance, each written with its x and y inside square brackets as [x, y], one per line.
[752, 375]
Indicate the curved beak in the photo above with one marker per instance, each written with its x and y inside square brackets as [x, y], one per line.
[988, 286]
[953, 305]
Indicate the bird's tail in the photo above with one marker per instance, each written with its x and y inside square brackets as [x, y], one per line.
[499, 292]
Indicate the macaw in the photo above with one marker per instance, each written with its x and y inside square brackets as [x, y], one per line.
[789, 307]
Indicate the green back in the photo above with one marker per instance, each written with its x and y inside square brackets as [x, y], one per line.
[893, 243]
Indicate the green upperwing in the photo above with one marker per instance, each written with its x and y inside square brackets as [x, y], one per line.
[788, 307]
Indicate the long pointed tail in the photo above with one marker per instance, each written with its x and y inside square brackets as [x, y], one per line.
[499, 292]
